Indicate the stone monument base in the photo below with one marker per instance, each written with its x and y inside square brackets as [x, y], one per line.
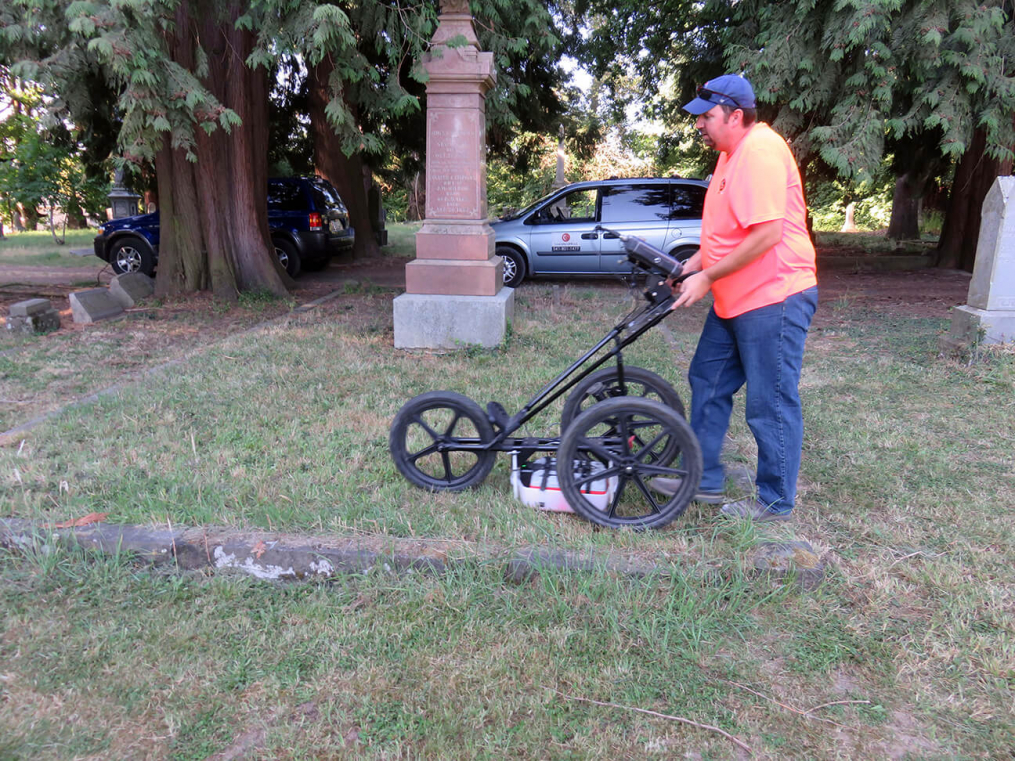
[997, 326]
[425, 321]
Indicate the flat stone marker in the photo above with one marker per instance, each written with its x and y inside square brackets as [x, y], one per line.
[93, 305]
[130, 287]
[794, 558]
[989, 313]
[33, 316]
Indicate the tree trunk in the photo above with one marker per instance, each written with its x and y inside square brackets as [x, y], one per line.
[960, 231]
[31, 217]
[344, 172]
[182, 264]
[214, 214]
[416, 207]
[52, 226]
[905, 221]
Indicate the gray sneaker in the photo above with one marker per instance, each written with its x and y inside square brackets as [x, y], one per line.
[753, 510]
[668, 487]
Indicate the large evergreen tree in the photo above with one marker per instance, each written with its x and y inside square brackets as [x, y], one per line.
[193, 99]
[846, 80]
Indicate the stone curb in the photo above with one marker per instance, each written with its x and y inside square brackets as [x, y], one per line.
[287, 557]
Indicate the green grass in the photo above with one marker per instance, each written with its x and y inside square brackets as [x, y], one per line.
[871, 244]
[402, 239]
[907, 475]
[460, 666]
[38, 249]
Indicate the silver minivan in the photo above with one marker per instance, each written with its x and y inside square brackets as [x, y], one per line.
[557, 234]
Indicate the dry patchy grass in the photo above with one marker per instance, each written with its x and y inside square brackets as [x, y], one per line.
[907, 651]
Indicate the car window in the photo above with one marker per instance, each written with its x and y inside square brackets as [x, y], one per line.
[325, 196]
[286, 196]
[635, 203]
[688, 201]
[576, 206]
[522, 212]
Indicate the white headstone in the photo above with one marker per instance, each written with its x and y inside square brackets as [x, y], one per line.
[993, 284]
[989, 314]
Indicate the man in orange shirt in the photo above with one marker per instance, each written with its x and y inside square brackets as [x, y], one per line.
[757, 260]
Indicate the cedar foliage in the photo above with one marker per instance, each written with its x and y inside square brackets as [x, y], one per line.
[192, 99]
[847, 81]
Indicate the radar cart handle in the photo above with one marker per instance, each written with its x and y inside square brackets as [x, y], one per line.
[648, 257]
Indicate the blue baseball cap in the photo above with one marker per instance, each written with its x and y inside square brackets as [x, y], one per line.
[727, 90]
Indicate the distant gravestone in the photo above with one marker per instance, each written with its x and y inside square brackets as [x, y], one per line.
[33, 316]
[93, 305]
[130, 287]
[849, 224]
[559, 181]
[989, 314]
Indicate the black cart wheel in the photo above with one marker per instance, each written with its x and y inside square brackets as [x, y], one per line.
[435, 440]
[627, 439]
[605, 384]
[638, 382]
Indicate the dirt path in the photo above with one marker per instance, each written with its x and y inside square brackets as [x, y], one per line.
[920, 292]
[21, 275]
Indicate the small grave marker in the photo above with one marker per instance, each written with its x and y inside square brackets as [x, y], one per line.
[93, 305]
[33, 316]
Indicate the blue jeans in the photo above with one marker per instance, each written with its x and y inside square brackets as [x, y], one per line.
[763, 348]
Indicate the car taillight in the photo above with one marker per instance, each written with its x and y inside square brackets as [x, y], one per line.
[315, 221]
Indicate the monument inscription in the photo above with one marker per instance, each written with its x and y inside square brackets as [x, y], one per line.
[453, 184]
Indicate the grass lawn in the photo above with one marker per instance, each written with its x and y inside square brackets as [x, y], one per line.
[402, 239]
[38, 249]
[908, 650]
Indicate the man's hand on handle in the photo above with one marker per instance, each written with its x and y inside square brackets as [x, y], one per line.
[759, 239]
[693, 289]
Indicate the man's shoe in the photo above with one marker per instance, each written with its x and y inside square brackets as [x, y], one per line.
[753, 510]
[669, 486]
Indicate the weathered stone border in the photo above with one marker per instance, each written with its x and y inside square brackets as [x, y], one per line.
[273, 556]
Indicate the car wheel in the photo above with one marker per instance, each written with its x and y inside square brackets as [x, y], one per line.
[288, 257]
[132, 255]
[684, 253]
[514, 266]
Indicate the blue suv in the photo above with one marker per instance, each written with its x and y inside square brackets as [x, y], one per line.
[306, 216]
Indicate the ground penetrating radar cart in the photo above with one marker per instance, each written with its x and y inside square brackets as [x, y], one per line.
[621, 426]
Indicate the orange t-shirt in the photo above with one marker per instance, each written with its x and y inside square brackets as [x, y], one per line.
[758, 182]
